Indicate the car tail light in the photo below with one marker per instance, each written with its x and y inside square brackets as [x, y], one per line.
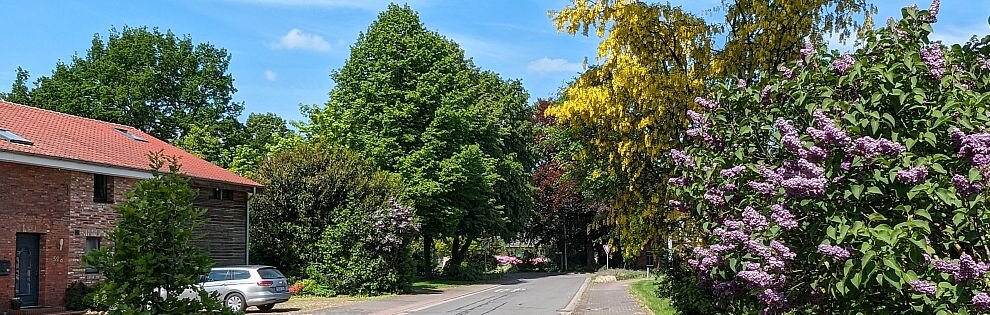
[265, 283]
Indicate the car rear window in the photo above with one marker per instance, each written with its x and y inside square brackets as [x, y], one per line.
[270, 273]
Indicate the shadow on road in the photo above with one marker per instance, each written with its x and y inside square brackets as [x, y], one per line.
[276, 310]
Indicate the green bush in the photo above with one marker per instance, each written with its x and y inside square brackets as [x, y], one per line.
[75, 296]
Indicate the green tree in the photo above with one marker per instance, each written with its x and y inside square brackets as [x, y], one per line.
[158, 82]
[19, 91]
[409, 101]
[152, 249]
[262, 135]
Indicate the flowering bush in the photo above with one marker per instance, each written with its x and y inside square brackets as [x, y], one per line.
[296, 288]
[366, 251]
[850, 183]
[539, 262]
[509, 260]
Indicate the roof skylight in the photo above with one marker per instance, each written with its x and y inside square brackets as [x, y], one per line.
[130, 135]
[13, 137]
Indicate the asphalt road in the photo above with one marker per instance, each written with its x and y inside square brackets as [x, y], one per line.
[526, 294]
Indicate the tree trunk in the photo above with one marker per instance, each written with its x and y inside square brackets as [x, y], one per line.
[427, 256]
[458, 251]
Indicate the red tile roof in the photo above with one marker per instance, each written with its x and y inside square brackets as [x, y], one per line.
[67, 137]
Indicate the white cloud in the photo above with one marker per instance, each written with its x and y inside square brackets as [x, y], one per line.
[957, 34]
[271, 75]
[547, 65]
[297, 39]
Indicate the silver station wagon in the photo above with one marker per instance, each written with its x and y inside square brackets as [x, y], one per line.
[242, 286]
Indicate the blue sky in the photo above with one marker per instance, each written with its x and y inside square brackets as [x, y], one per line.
[283, 50]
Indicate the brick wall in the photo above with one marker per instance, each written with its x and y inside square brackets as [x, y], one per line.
[35, 200]
[90, 219]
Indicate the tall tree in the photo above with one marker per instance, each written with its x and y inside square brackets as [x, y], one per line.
[409, 101]
[262, 135]
[19, 91]
[158, 82]
[629, 108]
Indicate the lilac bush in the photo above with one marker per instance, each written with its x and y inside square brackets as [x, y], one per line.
[848, 183]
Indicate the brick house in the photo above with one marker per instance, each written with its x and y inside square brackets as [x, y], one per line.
[60, 176]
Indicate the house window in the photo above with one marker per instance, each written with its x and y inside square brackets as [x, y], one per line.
[102, 188]
[92, 244]
[221, 194]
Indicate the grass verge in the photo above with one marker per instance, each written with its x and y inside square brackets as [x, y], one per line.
[646, 292]
[440, 284]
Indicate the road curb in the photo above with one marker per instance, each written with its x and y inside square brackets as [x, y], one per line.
[577, 296]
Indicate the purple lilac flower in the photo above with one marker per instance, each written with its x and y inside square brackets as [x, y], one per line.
[757, 248]
[715, 198]
[787, 72]
[933, 57]
[782, 250]
[869, 148]
[964, 187]
[801, 187]
[770, 297]
[913, 175]
[756, 277]
[816, 154]
[696, 118]
[969, 269]
[842, 65]
[733, 171]
[932, 16]
[923, 287]
[983, 62]
[706, 103]
[836, 252]
[975, 147]
[826, 132]
[679, 181]
[782, 217]
[981, 301]
[945, 266]
[845, 165]
[706, 260]
[729, 187]
[765, 98]
[681, 158]
[808, 50]
[763, 188]
[753, 219]
[741, 83]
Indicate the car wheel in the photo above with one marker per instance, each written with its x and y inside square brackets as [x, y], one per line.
[266, 307]
[235, 302]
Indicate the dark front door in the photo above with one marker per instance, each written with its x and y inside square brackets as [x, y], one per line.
[26, 269]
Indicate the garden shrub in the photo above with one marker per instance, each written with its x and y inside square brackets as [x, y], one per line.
[75, 296]
[850, 183]
[328, 216]
[365, 251]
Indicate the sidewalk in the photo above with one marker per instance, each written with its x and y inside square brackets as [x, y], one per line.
[609, 298]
